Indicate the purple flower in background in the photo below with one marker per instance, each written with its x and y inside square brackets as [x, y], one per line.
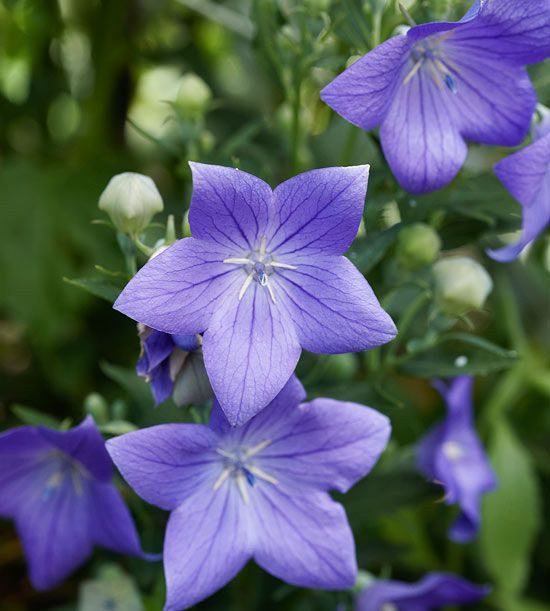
[434, 591]
[452, 455]
[173, 364]
[57, 487]
[258, 491]
[526, 174]
[262, 278]
[444, 83]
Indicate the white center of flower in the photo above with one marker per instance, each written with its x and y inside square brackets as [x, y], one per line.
[389, 607]
[239, 465]
[258, 265]
[66, 469]
[453, 450]
[430, 54]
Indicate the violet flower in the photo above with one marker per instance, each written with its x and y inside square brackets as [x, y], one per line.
[173, 365]
[446, 83]
[57, 487]
[262, 278]
[258, 491]
[451, 454]
[434, 591]
[526, 174]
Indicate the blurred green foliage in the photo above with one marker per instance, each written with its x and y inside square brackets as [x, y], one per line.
[90, 88]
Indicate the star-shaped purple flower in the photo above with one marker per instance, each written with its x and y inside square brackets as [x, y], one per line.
[258, 491]
[526, 174]
[262, 278]
[434, 591]
[57, 487]
[451, 454]
[445, 83]
[173, 364]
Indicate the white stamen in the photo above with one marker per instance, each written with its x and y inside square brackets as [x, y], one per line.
[246, 284]
[221, 479]
[239, 261]
[257, 448]
[263, 246]
[226, 454]
[263, 475]
[282, 265]
[413, 71]
[241, 485]
[270, 290]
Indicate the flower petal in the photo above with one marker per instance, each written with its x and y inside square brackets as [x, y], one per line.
[208, 541]
[111, 523]
[54, 528]
[177, 291]
[165, 464]
[250, 351]
[509, 31]
[24, 467]
[318, 211]
[229, 207]
[362, 94]
[333, 307]
[419, 135]
[303, 540]
[85, 444]
[324, 444]
[494, 101]
[433, 591]
[526, 174]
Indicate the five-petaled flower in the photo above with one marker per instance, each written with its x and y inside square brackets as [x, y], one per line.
[434, 591]
[444, 83]
[526, 174]
[263, 277]
[451, 454]
[57, 487]
[173, 365]
[257, 491]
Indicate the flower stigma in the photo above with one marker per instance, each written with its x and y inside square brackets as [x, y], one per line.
[259, 265]
[429, 53]
[238, 466]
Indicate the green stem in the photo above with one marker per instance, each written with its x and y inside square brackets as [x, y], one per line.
[404, 323]
[143, 248]
[508, 390]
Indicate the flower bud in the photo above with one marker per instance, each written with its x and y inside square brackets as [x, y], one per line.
[96, 406]
[131, 200]
[417, 245]
[193, 96]
[462, 284]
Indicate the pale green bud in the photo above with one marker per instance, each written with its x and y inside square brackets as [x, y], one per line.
[96, 406]
[417, 245]
[131, 200]
[193, 96]
[462, 284]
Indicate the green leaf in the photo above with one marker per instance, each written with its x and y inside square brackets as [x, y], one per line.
[136, 387]
[511, 516]
[96, 287]
[367, 252]
[31, 416]
[463, 354]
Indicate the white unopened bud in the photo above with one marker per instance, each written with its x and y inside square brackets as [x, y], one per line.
[131, 200]
[462, 284]
[193, 95]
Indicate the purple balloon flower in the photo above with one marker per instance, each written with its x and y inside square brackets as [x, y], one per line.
[262, 278]
[451, 454]
[258, 491]
[57, 487]
[526, 174]
[173, 364]
[434, 591]
[444, 83]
